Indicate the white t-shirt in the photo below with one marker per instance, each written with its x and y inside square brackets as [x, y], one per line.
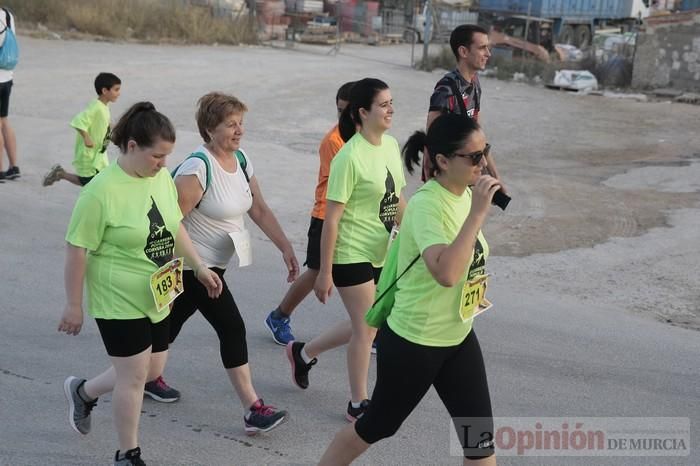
[5, 75]
[221, 210]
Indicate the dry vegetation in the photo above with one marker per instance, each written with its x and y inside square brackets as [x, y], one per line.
[145, 20]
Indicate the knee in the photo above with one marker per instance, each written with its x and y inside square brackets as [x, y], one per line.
[364, 334]
[376, 431]
[132, 380]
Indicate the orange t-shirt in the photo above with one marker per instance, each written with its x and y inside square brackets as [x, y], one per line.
[330, 145]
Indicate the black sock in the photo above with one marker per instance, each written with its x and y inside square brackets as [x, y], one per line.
[82, 394]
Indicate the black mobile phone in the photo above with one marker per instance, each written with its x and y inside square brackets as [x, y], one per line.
[501, 199]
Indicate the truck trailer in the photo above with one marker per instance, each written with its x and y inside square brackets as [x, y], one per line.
[562, 21]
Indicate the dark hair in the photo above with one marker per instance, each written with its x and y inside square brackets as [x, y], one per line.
[446, 135]
[462, 36]
[344, 91]
[143, 124]
[106, 81]
[213, 108]
[362, 95]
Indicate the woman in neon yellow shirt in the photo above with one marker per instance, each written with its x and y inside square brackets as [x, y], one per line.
[428, 338]
[124, 227]
[363, 201]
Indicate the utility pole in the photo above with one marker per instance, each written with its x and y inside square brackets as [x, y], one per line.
[427, 31]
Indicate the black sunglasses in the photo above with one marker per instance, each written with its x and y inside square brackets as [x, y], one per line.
[476, 156]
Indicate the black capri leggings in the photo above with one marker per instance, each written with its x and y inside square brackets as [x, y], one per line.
[405, 372]
[222, 313]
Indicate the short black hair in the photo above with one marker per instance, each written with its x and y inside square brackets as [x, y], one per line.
[462, 36]
[106, 81]
[344, 91]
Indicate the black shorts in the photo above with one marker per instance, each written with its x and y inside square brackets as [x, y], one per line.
[86, 179]
[354, 274]
[123, 338]
[313, 247]
[5, 90]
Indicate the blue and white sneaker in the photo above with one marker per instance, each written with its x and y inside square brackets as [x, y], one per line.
[280, 329]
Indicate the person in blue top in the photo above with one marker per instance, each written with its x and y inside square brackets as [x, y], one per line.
[428, 339]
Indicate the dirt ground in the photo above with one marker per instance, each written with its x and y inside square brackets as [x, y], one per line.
[599, 243]
[605, 191]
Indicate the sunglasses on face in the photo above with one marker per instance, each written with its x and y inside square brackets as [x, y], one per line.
[476, 156]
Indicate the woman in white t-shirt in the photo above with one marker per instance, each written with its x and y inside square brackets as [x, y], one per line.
[216, 187]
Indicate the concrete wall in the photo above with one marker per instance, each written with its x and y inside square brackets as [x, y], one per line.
[668, 53]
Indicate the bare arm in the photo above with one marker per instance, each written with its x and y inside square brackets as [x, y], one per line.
[431, 117]
[86, 137]
[189, 192]
[263, 216]
[447, 262]
[329, 235]
[402, 209]
[73, 275]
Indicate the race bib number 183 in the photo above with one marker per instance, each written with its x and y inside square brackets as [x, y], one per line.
[166, 283]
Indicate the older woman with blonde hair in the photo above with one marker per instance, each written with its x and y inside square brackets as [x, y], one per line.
[216, 186]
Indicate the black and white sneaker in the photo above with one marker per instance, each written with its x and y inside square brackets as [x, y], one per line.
[300, 368]
[353, 413]
[12, 173]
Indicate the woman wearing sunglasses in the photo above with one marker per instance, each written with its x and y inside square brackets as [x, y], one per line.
[428, 338]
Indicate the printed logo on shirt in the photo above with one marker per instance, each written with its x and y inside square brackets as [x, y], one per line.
[389, 205]
[478, 266]
[160, 243]
[106, 140]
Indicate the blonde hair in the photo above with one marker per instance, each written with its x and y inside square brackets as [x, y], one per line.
[213, 108]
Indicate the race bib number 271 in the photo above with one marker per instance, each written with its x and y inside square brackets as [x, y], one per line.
[473, 301]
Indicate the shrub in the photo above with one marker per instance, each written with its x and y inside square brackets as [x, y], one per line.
[147, 20]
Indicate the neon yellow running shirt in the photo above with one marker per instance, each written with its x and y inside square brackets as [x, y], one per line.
[368, 179]
[426, 312]
[94, 120]
[128, 225]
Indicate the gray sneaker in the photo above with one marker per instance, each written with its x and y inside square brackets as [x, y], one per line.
[78, 409]
[53, 175]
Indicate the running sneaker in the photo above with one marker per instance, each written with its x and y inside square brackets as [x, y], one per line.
[354, 414]
[263, 418]
[78, 409]
[131, 458]
[2, 177]
[12, 173]
[161, 391]
[374, 347]
[280, 329]
[300, 368]
[53, 175]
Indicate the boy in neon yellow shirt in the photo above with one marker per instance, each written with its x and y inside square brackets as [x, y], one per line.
[93, 131]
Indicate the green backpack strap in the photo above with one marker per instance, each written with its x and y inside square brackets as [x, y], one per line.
[201, 156]
[243, 162]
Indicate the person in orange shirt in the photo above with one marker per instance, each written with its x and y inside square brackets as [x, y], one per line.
[277, 322]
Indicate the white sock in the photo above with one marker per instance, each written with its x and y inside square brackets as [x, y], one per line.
[305, 356]
[355, 405]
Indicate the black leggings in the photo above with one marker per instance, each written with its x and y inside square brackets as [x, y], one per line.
[222, 313]
[405, 372]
